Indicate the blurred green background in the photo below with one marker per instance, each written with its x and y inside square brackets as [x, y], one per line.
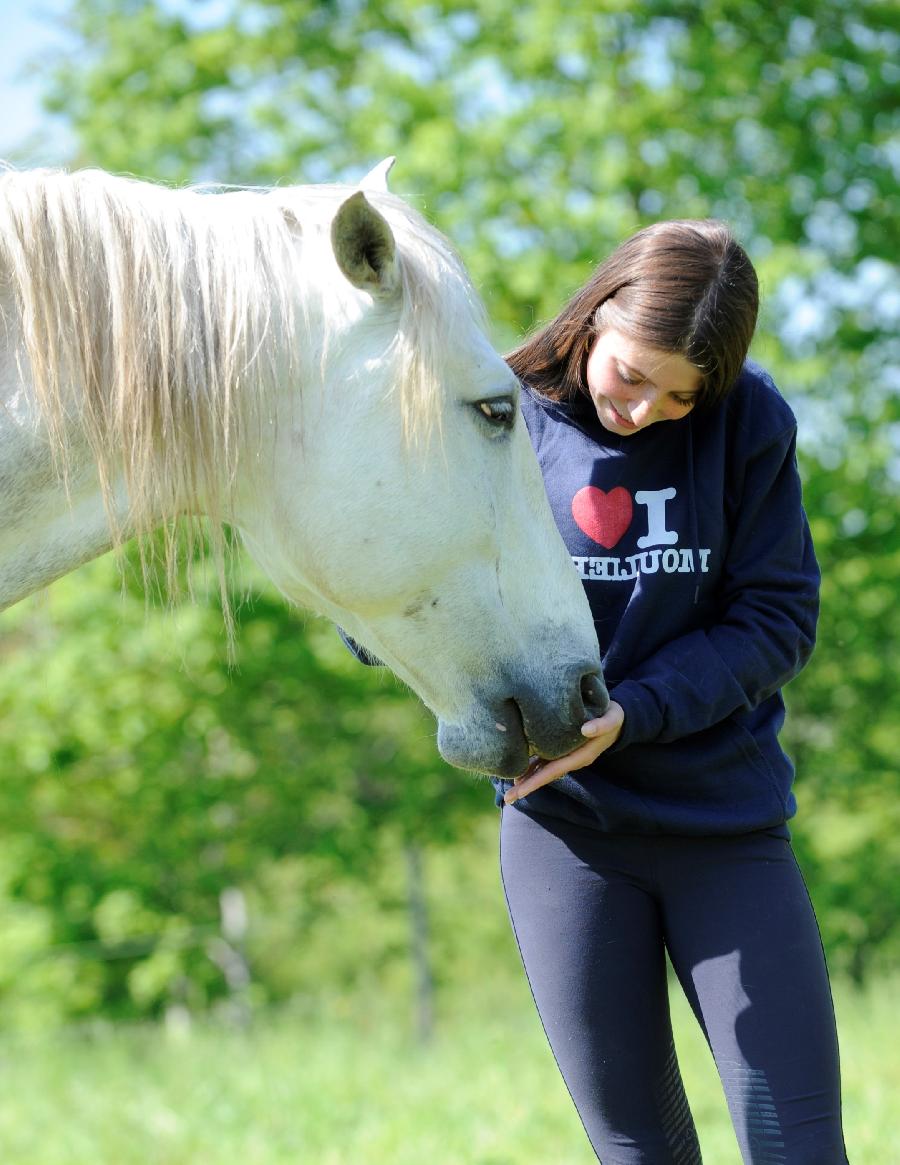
[182, 839]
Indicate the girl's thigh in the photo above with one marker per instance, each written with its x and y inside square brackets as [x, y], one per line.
[589, 933]
[743, 939]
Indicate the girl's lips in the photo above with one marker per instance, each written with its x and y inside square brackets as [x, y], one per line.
[619, 418]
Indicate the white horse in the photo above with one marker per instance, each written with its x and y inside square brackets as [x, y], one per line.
[308, 365]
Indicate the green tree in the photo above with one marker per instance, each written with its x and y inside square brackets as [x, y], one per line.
[537, 139]
[143, 777]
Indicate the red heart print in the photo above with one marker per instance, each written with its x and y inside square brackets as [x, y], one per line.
[604, 517]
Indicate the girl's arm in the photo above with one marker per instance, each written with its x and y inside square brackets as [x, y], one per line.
[769, 604]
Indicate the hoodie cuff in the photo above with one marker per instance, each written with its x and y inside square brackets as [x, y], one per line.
[643, 720]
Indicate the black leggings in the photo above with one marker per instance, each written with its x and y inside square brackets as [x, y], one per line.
[594, 914]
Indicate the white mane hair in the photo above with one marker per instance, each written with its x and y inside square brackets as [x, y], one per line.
[156, 323]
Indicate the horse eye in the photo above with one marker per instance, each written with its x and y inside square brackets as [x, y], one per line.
[500, 412]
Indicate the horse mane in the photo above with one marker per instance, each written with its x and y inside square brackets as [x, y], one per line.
[172, 312]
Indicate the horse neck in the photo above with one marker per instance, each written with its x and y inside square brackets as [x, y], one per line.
[52, 517]
[52, 513]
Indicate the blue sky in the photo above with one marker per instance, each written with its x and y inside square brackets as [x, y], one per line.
[29, 29]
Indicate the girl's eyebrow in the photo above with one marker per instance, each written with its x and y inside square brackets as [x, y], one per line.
[640, 376]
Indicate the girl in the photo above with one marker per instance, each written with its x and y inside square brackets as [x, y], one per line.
[669, 462]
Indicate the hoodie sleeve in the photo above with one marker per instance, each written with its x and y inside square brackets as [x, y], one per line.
[358, 650]
[768, 605]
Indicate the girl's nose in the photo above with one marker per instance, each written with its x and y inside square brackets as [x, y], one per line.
[642, 409]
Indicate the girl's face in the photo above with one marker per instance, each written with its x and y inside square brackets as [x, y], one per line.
[633, 386]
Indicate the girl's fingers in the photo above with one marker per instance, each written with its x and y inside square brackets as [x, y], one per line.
[600, 734]
[543, 772]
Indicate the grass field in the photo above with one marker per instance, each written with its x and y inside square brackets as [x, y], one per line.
[355, 1090]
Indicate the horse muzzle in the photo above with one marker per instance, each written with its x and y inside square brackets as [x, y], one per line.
[504, 731]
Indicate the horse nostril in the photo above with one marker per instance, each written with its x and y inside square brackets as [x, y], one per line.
[594, 695]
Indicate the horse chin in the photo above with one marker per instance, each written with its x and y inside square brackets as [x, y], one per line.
[499, 745]
[501, 735]
[502, 753]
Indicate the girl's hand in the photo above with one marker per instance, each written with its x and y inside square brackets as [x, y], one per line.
[601, 733]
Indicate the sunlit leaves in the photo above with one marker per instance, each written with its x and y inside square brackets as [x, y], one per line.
[537, 137]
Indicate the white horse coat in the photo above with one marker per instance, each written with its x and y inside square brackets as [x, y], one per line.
[310, 366]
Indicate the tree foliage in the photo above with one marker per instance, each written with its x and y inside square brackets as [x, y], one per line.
[142, 778]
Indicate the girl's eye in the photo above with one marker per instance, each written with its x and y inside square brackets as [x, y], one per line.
[684, 401]
[623, 375]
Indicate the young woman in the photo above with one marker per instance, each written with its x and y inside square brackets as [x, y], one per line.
[669, 461]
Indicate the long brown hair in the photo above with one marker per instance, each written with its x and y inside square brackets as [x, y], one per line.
[684, 286]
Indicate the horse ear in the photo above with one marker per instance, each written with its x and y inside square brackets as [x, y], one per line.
[377, 179]
[364, 247]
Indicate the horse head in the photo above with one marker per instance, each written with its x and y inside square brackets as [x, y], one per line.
[400, 496]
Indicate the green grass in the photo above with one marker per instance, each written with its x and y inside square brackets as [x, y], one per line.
[356, 1089]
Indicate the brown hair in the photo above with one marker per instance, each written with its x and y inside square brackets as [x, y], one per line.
[684, 287]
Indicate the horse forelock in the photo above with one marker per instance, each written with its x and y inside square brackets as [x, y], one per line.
[437, 308]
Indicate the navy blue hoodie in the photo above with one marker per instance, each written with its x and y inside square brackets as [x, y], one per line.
[694, 550]
[695, 553]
